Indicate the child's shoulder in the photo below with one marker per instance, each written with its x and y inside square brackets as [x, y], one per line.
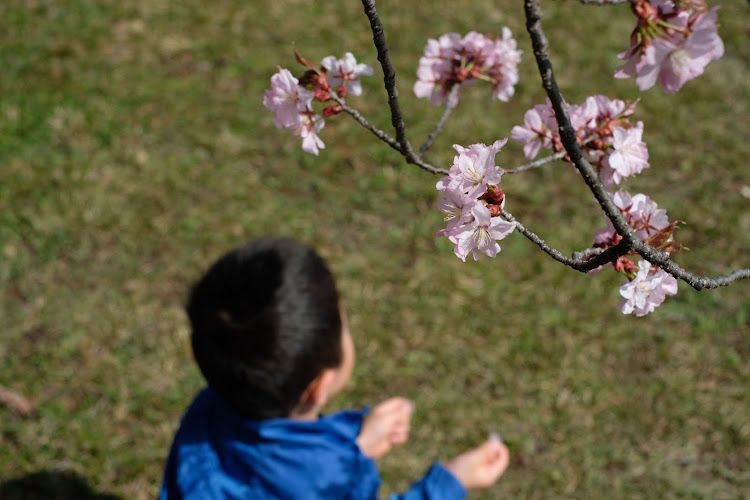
[275, 458]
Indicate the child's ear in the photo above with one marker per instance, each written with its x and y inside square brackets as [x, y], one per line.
[317, 393]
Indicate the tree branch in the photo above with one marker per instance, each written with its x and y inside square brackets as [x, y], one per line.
[569, 140]
[536, 163]
[611, 254]
[389, 80]
[363, 121]
[450, 105]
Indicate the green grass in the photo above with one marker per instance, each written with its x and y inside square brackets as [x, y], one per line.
[134, 150]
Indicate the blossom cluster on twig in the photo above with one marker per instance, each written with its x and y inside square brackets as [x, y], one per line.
[454, 60]
[672, 42]
[291, 99]
[646, 286]
[472, 201]
[609, 140]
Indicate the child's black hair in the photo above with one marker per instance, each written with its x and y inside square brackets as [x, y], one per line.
[265, 323]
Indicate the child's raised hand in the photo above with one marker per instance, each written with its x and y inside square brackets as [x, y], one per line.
[482, 466]
[387, 424]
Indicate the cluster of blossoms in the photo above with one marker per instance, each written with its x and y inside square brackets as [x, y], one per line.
[609, 140]
[452, 60]
[291, 99]
[647, 286]
[472, 201]
[672, 42]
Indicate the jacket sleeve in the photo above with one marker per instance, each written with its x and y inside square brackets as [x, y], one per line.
[437, 484]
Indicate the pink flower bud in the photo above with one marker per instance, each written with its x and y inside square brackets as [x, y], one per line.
[321, 95]
[495, 210]
[494, 195]
[623, 264]
[331, 110]
[645, 11]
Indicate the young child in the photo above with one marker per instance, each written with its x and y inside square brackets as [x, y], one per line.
[271, 339]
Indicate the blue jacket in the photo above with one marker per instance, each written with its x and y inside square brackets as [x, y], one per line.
[218, 454]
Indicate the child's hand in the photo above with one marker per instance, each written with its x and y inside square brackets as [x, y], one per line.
[482, 466]
[386, 424]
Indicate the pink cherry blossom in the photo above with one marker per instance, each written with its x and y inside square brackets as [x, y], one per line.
[456, 207]
[292, 106]
[642, 214]
[310, 126]
[480, 234]
[472, 202]
[685, 42]
[680, 62]
[452, 60]
[629, 155]
[502, 66]
[608, 139]
[647, 290]
[645, 216]
[475, 167]
[346, 70]
[286, 99]
[537, 131]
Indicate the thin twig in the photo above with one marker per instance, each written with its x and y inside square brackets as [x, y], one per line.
[450, 105]
[587, 254]
[536, 163]
[363, 121]
[630, 240]
[389, 80]
[605, 257]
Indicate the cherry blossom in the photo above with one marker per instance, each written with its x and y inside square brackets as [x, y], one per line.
[308, 130]
[642, 214]
[456, 205]
[472, 202]
[292, 106]
[609, 140]
[481, 234]
[452, 60]
[629, 155]
[292, 102]
[647, 290]
[287, 99]
[537, 132]
[346, 71]
[671, 44]
[475, 167]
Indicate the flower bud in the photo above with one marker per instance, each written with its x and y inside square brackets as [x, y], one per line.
[645, 12]
[331, 110]
[308, 79]
[495, 210]
[321, 95]
[625, 265]
[494, 195]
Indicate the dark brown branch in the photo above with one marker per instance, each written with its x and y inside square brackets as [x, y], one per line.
[389, 74]
[389, 80]
[590, 176]
[363, 121]
[579, 264]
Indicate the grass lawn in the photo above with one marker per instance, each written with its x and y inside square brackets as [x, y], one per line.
[134, 150]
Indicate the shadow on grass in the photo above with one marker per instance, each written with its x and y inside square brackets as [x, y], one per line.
[50, 485]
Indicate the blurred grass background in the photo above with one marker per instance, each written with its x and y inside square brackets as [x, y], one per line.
[134, 150]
